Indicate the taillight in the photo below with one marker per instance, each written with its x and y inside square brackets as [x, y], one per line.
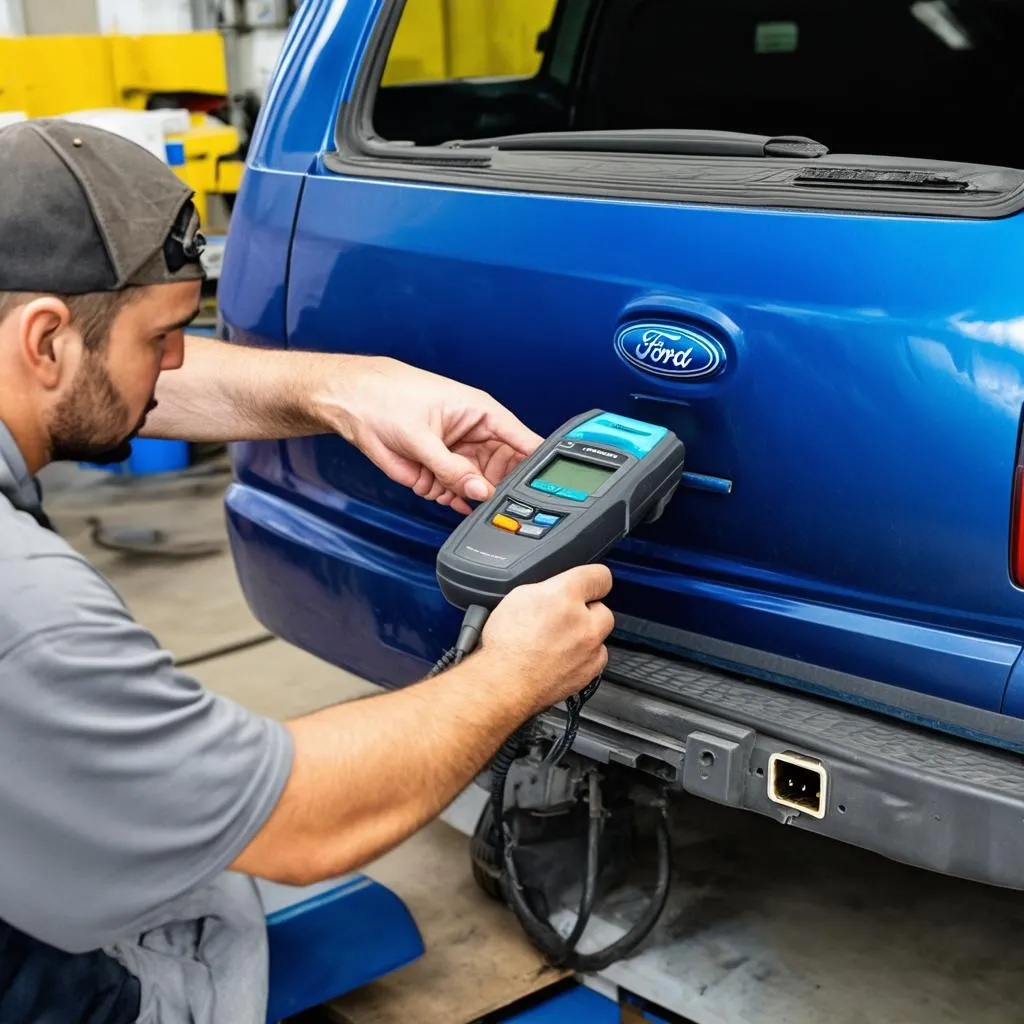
[1017, 530]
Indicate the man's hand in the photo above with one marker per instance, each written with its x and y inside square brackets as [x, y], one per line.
[446, 441]
[548, 638]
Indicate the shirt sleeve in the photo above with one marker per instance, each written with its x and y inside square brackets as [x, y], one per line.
[123, 782]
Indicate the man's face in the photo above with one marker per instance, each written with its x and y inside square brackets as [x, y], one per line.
[112, 391]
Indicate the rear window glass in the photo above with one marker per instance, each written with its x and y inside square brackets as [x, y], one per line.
[935, 79]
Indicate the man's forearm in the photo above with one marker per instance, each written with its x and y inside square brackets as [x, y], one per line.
[369, 773]
[227, 392]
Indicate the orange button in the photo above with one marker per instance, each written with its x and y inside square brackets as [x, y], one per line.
[507, 523]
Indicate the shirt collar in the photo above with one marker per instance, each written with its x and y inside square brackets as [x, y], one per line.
[16, 485]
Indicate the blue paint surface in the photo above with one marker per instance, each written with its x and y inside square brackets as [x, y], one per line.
[864, 429]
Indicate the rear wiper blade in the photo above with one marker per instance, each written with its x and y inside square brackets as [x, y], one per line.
[885, 178]
[675, 141]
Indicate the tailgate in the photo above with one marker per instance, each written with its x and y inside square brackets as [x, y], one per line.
[866, 418]
[839, 342]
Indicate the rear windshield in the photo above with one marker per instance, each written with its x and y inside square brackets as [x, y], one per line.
[936, 79]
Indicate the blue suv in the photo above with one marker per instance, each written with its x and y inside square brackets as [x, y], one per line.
[783, 231]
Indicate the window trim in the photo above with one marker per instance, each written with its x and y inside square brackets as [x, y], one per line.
[988, 192]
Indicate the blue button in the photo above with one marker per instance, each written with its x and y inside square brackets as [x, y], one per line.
[543, 485]
[564, 492]
[545, 519]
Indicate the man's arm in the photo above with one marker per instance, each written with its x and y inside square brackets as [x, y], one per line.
[367, 774]
[226, 392]
[446, 441]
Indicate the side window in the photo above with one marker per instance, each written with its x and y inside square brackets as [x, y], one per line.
[467, 69]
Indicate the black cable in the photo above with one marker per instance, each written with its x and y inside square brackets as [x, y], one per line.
[539, 931]
[500, 765]
[589, 895]
[443, 663]
[220, 652]
[559, 951]
[469, 636]
[573, 707]
[593, 962]
[509, 751]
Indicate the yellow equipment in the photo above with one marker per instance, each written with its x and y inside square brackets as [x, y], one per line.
[443, 39]
[44, 76]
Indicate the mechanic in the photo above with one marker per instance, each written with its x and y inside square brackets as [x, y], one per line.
[135, 806]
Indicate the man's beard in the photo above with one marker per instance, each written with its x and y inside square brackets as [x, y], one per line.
[88, 424]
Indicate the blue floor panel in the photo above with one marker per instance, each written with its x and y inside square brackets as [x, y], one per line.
[577, 1005]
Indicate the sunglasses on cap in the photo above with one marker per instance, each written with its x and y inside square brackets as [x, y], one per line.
[186, 243]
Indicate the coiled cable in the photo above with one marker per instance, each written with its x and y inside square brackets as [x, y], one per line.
[560, 951]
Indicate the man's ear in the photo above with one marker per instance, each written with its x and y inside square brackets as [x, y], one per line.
[50, 346]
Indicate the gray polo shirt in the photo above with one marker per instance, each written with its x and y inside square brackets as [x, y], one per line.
[126, 788]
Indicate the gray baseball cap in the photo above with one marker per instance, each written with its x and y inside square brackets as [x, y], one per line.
[85, 210]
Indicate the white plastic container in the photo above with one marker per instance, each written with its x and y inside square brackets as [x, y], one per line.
[147, 128]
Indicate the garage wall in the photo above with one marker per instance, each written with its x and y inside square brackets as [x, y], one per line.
[60, 17]
[81, 17]
[11, 18]
[132, 17]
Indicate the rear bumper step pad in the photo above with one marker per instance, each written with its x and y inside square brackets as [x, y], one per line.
[915, 796]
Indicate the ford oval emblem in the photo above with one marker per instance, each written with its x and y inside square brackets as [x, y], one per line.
[668, 350]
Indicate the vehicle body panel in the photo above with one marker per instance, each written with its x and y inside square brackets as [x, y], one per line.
[840, 420]
[866, 420]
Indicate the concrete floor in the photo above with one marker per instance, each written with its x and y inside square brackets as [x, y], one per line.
[766, 924]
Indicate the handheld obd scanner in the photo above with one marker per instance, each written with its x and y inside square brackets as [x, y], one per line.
[589, 484]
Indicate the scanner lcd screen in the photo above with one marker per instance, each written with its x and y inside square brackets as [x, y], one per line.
[574, 475]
